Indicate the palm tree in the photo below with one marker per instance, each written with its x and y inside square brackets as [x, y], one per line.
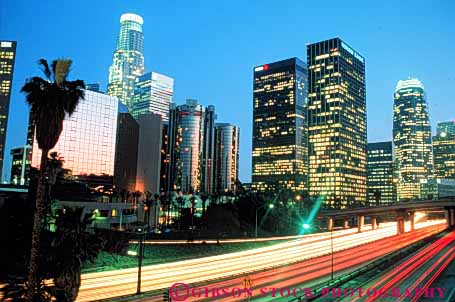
[50, 100]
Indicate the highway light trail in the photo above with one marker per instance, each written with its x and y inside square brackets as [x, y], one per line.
[415, 273]
[123, 282]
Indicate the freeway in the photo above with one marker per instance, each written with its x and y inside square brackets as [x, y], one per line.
[410, 280]
[310, 251]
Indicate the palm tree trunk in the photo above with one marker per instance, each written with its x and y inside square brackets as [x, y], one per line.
[33, 277]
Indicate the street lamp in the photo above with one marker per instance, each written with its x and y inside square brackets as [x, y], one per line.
[141, 233]
[271, 206]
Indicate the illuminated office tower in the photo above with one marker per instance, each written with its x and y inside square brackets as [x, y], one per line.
[411, 138]
[7, 58]
[227, 157]
[444, 150]
[445, 127]
[191, 157]
[337, 123]
[88, 140]
[153, 94]
[279, 127]
[128, 60]
[380, 177]
[20, 165]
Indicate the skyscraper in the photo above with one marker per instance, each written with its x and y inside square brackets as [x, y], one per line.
[227, 157]
[126, 151]
[7, 58]
[337, 123]
[20, 165]
[190, 154]
[128, 60]
[444, 150]
[149, 153]
[279, 126]
[411, 138]
[380, 178]
[446, 127]
[88, 140]
[153, 93]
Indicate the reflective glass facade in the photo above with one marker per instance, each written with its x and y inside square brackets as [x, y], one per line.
[337, 123]
[411, 138]
[7, 58]
[380, 179]
[444, 150]
[153, 93]
[128, 60]
[279, 126]
[88, 140]
[227, 157]
[191, 134]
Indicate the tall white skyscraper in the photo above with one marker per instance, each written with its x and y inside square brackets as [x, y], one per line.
[128, 60]
[411, 138]
[153, 93]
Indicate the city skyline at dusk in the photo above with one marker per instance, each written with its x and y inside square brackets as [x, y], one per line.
[213, 59]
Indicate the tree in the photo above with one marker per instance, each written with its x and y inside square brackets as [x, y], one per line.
[71, 246]
[50, 100]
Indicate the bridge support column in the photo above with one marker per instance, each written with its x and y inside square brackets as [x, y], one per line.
[412, 220]
[374, 223]
[360, 222]
[449, 214]
[346, 223]
[400, 225]
[329, 223]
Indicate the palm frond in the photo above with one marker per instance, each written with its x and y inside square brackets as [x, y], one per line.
[75, 93]
[62, 69]
[46, 70]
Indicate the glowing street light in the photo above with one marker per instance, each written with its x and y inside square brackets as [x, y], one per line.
[306, 226]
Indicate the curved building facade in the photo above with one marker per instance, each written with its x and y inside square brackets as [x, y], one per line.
[128, 60]
[411, 138]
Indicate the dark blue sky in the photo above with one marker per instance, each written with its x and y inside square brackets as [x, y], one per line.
[210, 48]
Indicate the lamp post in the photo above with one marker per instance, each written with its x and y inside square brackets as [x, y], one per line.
[140, 231]
[271, 206]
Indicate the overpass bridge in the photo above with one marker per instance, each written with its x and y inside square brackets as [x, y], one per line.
[402, 210]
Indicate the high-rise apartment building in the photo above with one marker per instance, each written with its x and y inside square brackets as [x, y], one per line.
[337, 124]
[7, 59]
[227, 157]
[411, 138]
[128, 60]
[444, 150]
[381, 186]
[279, 127]
[191, 155]
[153, 93]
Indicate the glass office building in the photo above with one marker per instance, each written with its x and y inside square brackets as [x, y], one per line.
[337, 123]
[279, 127]
[411, 138]
[380, 177]
[128, 60]
[88, 141]
[191, 156]
[7, 59]
[153, 93]
[227, 157]
[444, 150]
